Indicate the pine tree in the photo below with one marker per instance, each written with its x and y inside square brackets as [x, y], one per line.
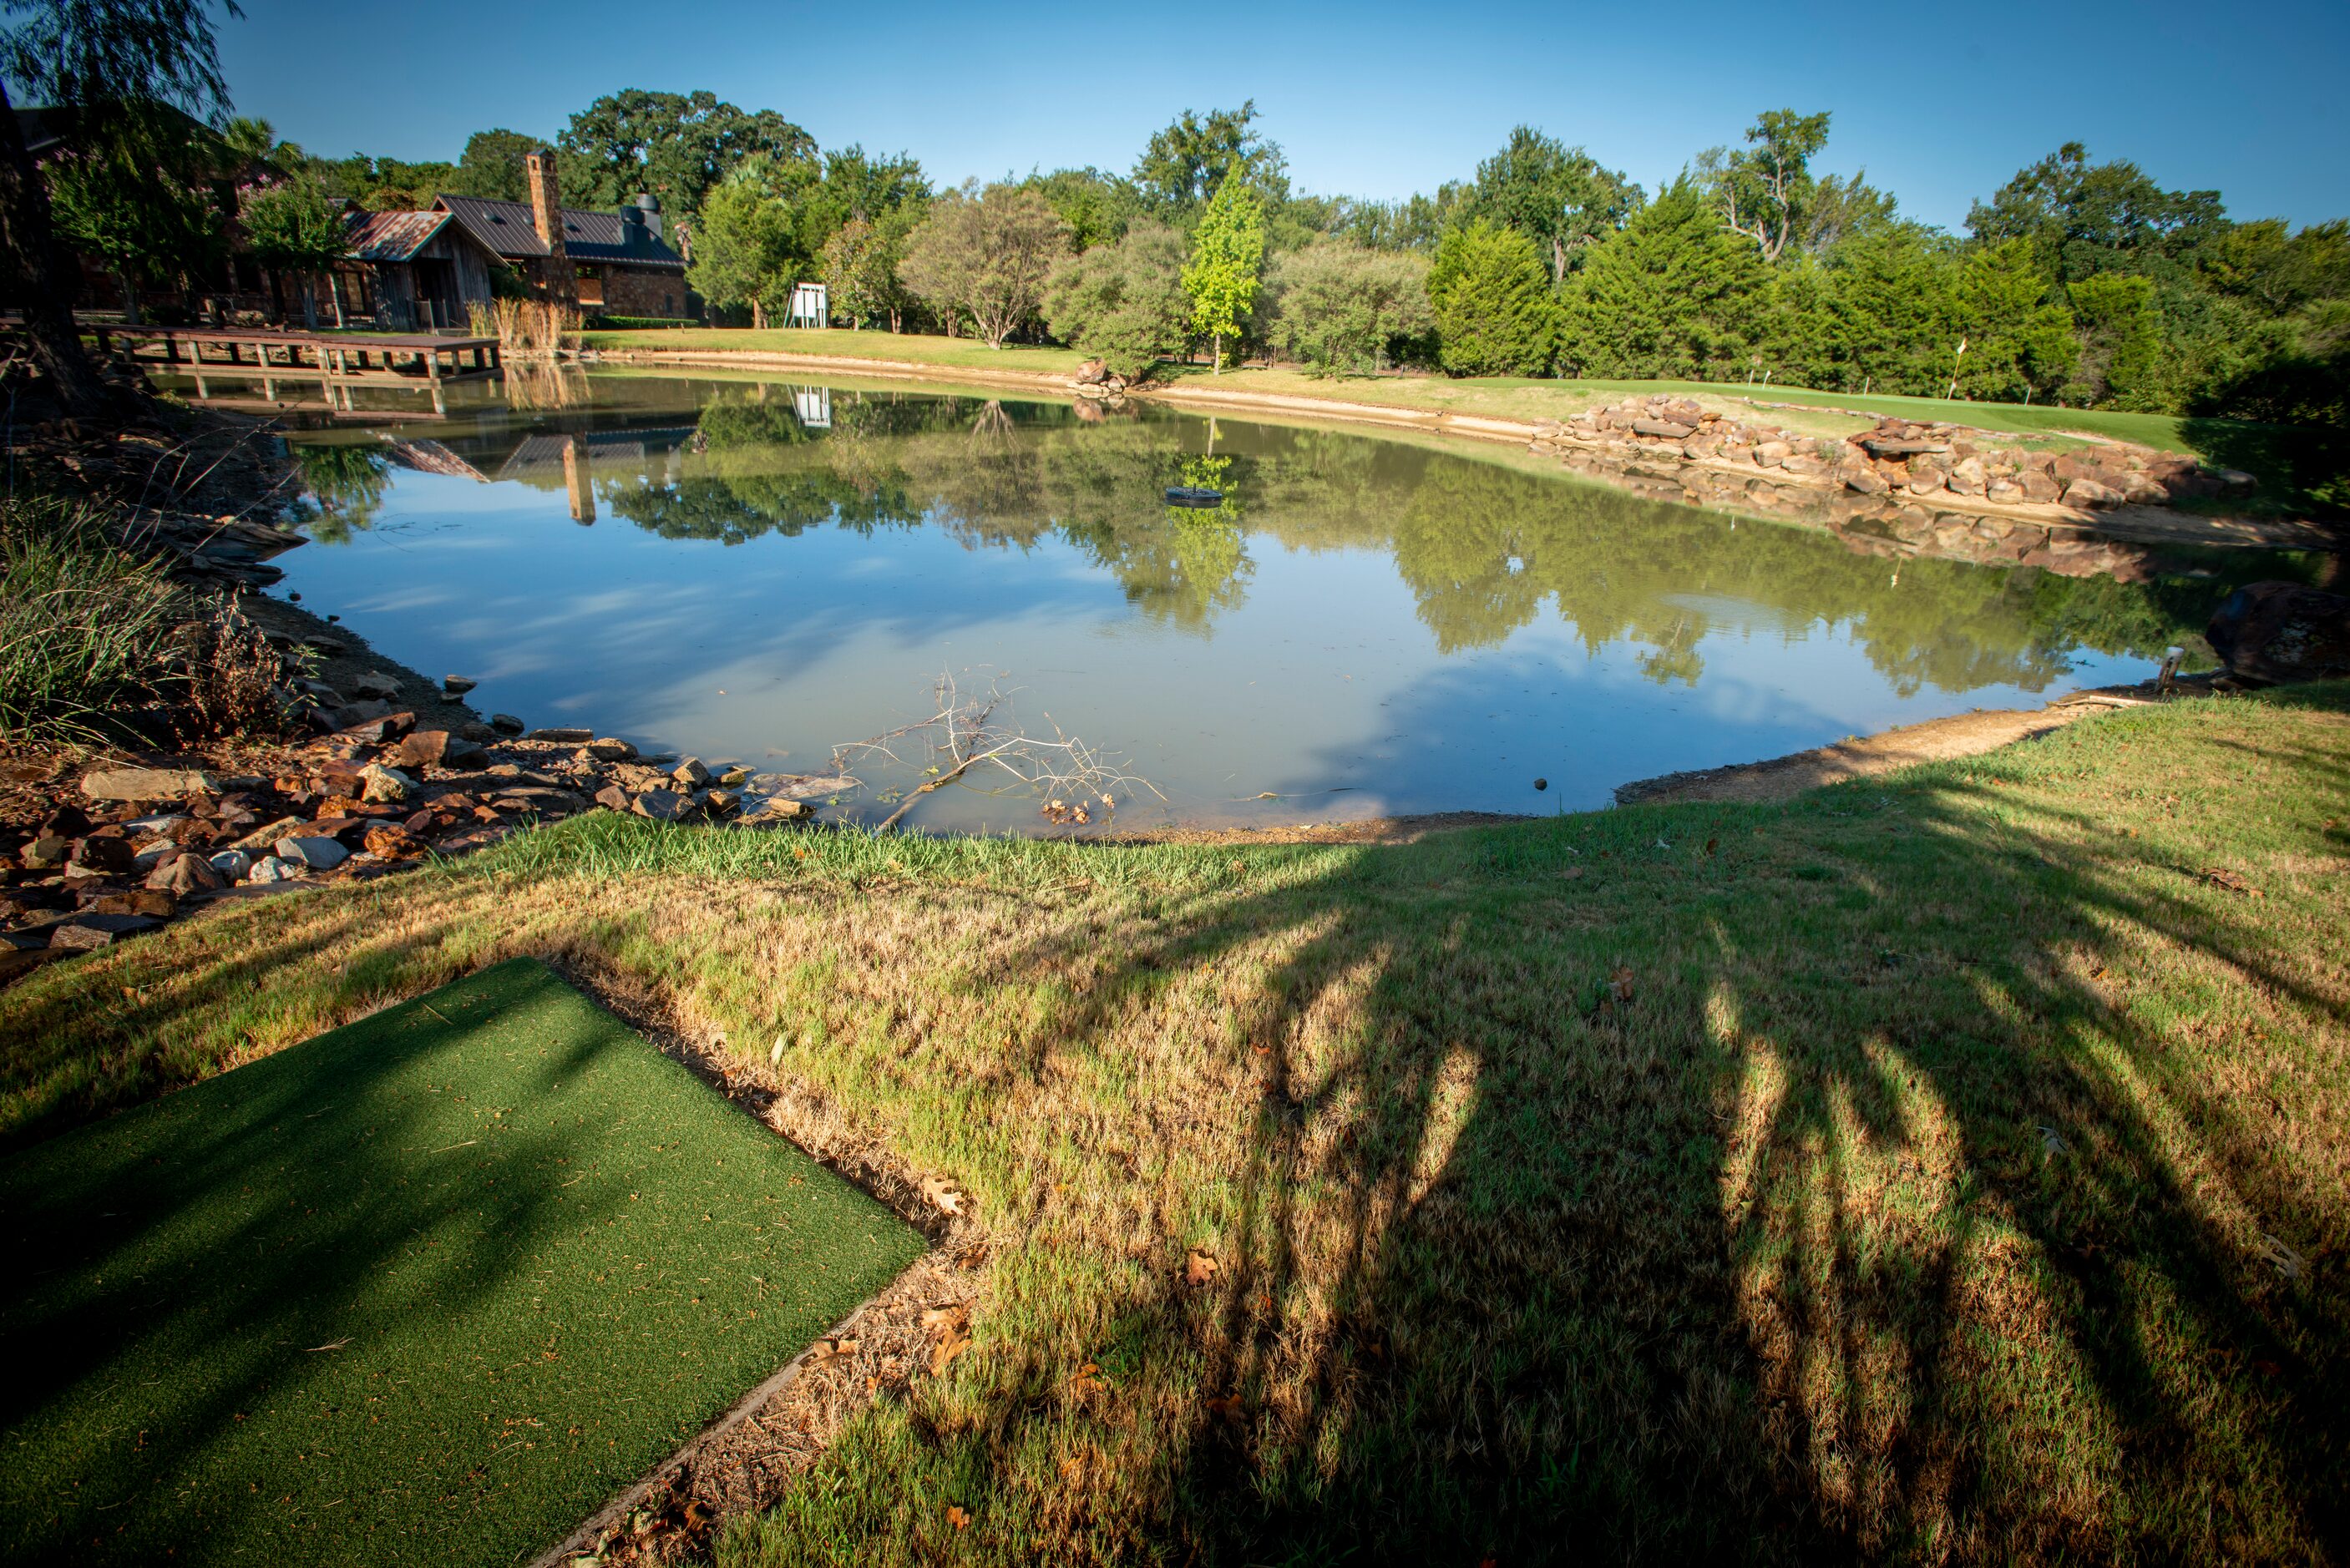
[1675, 295]
[1227, 261]
[1495, 313]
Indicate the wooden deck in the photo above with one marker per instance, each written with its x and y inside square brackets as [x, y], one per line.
[337, 362]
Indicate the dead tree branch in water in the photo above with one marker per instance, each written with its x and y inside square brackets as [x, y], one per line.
[967, 736]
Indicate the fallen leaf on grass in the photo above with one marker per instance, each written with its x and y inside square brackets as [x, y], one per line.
[958, 1517]
[1619, 984]
[1199, 1268]
[2221, 877]
[1228, 1407]
[1087, 1381]
[943, 1354]
[943, 1194]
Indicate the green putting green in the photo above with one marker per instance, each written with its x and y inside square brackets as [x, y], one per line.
[430, 1288]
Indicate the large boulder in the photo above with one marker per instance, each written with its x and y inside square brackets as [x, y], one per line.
[2282, 631]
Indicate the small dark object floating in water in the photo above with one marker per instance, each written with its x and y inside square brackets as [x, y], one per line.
[1193, 496]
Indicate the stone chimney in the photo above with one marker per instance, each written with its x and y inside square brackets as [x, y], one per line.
[547, 217]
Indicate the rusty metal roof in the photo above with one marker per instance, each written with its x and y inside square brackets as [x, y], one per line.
[392, 236]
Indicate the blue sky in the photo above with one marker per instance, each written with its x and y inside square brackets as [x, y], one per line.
[1940, 105]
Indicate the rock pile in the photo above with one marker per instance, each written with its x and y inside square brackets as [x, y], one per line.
[1950, 465]
[87, 862]
[1096, 379]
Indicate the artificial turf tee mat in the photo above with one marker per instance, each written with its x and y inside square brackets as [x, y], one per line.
[431, 1287]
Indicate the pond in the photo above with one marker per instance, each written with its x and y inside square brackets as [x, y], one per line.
[1369, 625]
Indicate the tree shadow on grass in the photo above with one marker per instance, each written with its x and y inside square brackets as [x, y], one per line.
[1739, 1181]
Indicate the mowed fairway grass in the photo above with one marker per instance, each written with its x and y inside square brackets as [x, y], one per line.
[427, 1289]
[1949, 1166]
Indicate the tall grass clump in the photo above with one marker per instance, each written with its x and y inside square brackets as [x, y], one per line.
[98, 643]
[526, 327]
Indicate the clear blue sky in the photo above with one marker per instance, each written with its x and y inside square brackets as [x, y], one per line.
[1940, 104]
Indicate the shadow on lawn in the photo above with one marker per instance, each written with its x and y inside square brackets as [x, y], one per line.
[1833, 1203]
[134, 1380]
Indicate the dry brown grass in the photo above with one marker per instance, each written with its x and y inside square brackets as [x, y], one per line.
[1939, 1167]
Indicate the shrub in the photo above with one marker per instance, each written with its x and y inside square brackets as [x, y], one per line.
[1339, 307]
[1494, 312]
[1123, 303]
[97, 642]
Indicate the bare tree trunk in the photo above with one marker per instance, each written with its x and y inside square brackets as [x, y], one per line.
[758, 316]
[32, 268]
[129, 297]
[1216, 364]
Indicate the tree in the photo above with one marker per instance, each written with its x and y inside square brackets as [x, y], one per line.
[1123, 303]
[1890, 310]
[141, 200]
[2019, 340]
[1097, 207]
[2084, 218]
[491, 166]
[1675, 296]
[1190, 161]
[746, 249]
[1495, 315]
[677, 146]
[292, 227]
[92, 59]
[1341, 307]
[1765, 190]
[2121, 341]
[986, 255]
[1556, 195]
[860, 265]
[1227, 260]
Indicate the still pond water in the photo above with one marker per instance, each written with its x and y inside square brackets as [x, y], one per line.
[1371, 625]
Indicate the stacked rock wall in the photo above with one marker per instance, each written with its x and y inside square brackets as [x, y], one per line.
[1897, 459]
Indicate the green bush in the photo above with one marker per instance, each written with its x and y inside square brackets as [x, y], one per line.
[1123, 303]
[1338, 308]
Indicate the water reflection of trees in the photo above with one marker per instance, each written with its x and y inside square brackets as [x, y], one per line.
[1485, 547]
[343, 487]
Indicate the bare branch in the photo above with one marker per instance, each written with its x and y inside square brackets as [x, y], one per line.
[965, 737]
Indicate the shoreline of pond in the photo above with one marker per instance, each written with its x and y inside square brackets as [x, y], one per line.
[1790, 496]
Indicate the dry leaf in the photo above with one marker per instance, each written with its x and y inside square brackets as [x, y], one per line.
[943, 1194]
[1087, 1381]
[943, 1354]
[1229, 1406]
[1620, 983]
[2221, 877]
[949, 1317]
[957, 1517]
[1199, 1268]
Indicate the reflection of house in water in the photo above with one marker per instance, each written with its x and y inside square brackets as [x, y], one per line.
[606, 455]
[814, 406]
[577, 462]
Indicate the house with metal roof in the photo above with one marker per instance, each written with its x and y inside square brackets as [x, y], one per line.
[615, 263]
[411, 270]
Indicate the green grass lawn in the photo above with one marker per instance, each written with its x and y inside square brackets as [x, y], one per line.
[1948, 1165]
[430, 1288]
[832, 342]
